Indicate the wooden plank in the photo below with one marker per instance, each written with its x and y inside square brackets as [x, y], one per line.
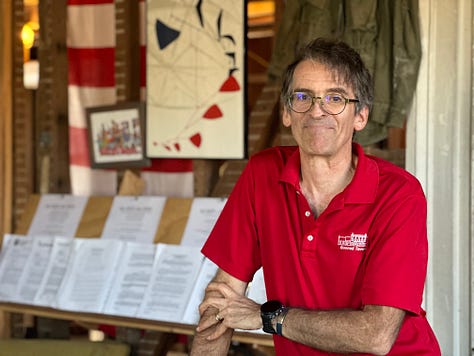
[28, 213]
[6, 107]
[173, 221]
[94, 216]
[52, 126]
[125, 321]
[127, 50]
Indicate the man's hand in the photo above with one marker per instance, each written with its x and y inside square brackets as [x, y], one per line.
[213, 336]
[223, 305]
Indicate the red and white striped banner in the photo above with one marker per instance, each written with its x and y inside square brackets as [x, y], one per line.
[91, 55]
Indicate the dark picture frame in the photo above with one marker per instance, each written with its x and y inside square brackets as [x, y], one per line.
[116, 135]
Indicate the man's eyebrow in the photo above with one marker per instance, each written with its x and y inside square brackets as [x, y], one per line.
[304, 90]
[339, 90]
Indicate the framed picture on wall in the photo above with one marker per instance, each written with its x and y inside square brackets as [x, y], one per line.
[196, 97]
[116, 135]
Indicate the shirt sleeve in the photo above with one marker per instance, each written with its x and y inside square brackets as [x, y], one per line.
[398, 254]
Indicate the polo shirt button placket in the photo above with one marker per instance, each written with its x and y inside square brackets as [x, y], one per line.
[309, 246]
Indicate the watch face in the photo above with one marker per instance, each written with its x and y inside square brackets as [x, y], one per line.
[270, 306]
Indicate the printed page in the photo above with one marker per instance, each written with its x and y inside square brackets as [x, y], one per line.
[202, 217]
[89, 275]
[207, 272]
[131, 280]
[133, 218]
[35, 268]
[5, 242]
[55, 271]
[16, 253]
[174, 275]
[58, 214]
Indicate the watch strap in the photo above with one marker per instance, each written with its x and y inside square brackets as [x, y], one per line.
[267, 326]
[270, 311]
[280, 320]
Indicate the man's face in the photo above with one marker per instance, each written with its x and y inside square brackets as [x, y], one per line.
[317, 132]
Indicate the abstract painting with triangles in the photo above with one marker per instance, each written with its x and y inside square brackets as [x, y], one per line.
[195, 79]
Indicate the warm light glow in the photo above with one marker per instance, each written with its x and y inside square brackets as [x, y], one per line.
[31, 74]
[28, 34]
[260, 8]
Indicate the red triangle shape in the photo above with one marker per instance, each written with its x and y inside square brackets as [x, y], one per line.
[230, 84]
[196, 139]
[213, 112]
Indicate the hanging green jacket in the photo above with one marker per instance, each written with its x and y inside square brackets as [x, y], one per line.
[386, 33]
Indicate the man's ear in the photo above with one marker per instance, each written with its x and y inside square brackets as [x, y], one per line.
[361, 119]
[286, 119]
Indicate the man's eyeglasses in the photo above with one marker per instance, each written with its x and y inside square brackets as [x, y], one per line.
[331, 103]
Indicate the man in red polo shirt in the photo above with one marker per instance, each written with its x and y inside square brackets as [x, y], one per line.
[341, 236]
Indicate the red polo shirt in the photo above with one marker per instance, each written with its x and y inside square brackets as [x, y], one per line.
[368, 247]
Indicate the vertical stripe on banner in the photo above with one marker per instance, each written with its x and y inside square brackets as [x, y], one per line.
[91, 44]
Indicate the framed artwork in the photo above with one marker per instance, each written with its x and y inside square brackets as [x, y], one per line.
[196, 97]
[117, 135]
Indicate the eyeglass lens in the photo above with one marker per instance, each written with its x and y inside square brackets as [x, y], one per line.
[331, 103]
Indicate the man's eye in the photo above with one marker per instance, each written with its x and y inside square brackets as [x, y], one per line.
[334, 99]
[301, 96]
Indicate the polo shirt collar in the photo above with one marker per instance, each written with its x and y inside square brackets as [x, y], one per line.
[362, 188]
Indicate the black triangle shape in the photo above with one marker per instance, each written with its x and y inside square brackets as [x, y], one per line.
[165, 34]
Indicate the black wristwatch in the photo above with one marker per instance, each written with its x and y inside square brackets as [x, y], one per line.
[269, 311]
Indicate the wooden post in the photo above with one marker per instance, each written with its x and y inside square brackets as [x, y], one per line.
[127, 50]
[6, 70]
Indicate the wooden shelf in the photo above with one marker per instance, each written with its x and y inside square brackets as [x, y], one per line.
[175, 328]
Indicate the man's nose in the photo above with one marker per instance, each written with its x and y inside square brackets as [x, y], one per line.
[317, 108]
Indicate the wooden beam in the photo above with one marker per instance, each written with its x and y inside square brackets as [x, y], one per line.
[52, 127]
[127, 50]
[6, 72]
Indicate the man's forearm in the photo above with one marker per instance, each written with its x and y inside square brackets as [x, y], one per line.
[347, 331]
[202, 346]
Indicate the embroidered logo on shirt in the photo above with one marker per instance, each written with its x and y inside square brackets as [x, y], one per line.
[353, 242]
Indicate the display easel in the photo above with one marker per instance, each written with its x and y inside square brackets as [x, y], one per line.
[170, 230]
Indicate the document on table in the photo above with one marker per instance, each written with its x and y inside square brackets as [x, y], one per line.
[202, 217]
[55, 271]
[16, 253]
[131, 279]
[134, 218]
[35, 268]
[174, 274]
[89, 275]
[207, 272]
[58, 214]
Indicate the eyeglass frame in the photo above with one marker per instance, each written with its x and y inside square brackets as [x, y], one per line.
[321, 104]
